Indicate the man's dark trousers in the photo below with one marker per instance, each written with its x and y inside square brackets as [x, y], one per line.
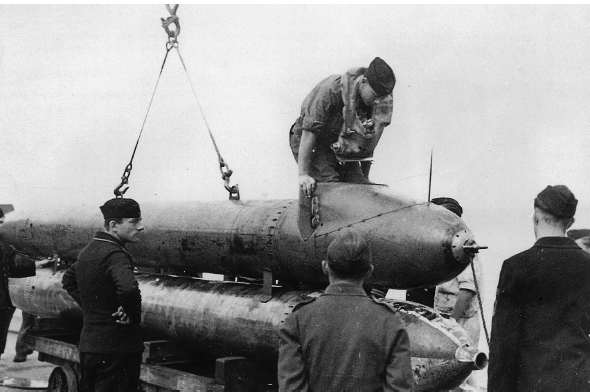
[110, 372]
[5, 317]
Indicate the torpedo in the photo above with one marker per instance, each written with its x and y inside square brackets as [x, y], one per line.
[229, 319]
[414, 243]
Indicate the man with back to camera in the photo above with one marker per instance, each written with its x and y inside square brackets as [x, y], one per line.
[541, 318]
[103, 284]
[358, 101]
[345, 340]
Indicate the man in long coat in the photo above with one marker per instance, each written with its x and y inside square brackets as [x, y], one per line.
[541, 319]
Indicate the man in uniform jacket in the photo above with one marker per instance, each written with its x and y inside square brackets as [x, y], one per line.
[103, 284]
[344, 340]
[358, 101]
[541, 319]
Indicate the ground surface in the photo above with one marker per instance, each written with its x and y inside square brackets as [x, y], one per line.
[31, 369]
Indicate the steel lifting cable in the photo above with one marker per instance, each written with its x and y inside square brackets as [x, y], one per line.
[478, 293]
[234, 192]
[125, 178]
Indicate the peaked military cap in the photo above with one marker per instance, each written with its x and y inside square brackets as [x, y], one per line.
[120, 208]
[576, 234]
[380, 77]
[349, 253]
[557, 200]
[449, 203]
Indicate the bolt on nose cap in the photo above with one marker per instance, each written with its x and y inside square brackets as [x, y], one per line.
[461, 246]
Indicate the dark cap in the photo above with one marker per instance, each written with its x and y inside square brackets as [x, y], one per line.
[120, 208]
[380, 77]
[576, 234]
[349, 253]
[557, 200]
[450, 204]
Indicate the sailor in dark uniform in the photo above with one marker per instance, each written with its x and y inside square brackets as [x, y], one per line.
[345, 340]
[103, 284]
[541, 318]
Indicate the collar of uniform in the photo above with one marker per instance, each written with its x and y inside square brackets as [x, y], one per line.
[343, 288]
[102, 236]
[556, 242]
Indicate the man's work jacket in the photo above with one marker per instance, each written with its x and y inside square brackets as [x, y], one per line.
[100, 281]
[330, 108]
[344, 341]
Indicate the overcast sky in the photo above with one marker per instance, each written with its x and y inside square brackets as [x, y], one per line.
[500, 93]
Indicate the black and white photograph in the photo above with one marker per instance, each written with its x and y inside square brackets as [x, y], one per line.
[294, 197]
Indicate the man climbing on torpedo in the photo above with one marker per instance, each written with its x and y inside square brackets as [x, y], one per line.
[340, 123]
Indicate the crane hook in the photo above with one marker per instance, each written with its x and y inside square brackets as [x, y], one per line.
[172, 19]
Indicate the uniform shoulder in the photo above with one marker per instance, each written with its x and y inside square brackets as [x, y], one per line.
[385, 304]
[303, 302]
[518, 257]
[331, 84]
[582, 255]
[106, 251]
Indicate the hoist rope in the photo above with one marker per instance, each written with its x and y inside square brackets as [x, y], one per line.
[478, 293]
[199, 106]
[234, 193]
[225, 174]
[125, 178]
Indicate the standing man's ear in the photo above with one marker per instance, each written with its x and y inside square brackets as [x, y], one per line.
[112, 225]
[570, 223]
[325, 267]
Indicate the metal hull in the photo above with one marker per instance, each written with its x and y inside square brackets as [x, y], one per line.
[229, 319]
[414, 244]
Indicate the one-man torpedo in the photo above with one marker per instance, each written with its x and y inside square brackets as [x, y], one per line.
[344, 340]
[340, 124]
[103, 284]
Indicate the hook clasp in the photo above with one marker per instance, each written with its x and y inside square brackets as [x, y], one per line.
[124, 181]
[234, 191]
[172, 19]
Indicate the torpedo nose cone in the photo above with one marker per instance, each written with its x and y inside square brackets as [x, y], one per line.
[464, 247]
[460, 254]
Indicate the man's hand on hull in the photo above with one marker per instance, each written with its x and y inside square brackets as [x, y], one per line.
[307, 184]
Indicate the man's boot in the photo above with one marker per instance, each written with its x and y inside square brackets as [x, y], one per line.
[20, 357]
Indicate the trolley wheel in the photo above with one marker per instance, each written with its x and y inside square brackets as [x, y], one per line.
[63, 379]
